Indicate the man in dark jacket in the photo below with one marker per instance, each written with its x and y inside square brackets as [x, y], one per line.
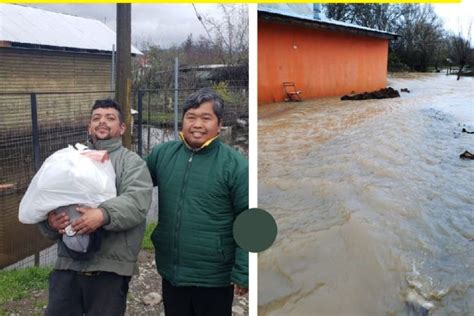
[202, 187]
[98, 285]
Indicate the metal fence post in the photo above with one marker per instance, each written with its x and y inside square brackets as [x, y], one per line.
[35, 133]
[112, 72]
[148, 123]
[36, 145]
[139, 123]
[176, 72]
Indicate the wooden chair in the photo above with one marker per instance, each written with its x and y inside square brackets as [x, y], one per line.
[291, 92]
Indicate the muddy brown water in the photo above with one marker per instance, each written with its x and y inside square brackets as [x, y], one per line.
[373, 205]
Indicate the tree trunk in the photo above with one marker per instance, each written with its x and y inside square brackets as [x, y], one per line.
[460, 71]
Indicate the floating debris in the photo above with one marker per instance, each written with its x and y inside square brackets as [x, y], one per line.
[379, 94]
[466, 155]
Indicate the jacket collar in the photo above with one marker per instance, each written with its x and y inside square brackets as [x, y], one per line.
[106, 144]
[208, 145]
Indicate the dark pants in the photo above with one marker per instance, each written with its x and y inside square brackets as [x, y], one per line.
[73, 293]
[197, 301]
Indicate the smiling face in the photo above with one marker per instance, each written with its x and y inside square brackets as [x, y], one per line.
[200, 125]
[105, 124]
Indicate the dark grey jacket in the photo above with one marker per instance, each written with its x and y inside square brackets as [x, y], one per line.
[125, 216]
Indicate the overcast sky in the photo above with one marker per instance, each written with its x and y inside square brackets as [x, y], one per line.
[168, 24]
[162, 24]
[457, 17]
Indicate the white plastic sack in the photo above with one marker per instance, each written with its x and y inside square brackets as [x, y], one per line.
[67, 177]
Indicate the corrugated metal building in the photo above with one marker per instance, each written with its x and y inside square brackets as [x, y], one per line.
[48, 51]
[43, 51]
[323, 57]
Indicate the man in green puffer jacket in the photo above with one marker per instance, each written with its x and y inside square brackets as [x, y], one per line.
[202, 187]
[98, 285]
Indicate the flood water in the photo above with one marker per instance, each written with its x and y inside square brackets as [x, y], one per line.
[373, 204]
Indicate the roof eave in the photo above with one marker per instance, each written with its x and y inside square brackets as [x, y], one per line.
[315, 24]
[56, 48]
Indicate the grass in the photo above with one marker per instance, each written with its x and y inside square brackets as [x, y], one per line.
[39, 304]
[147, 244]
[17, 284]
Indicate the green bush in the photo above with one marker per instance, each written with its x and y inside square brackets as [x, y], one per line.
[222, 89]
[156, 118]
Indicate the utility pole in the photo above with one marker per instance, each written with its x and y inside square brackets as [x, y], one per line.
[123, 84]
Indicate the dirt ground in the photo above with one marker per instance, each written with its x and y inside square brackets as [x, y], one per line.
[149, 281]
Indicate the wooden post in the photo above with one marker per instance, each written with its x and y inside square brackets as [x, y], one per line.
[124, 67]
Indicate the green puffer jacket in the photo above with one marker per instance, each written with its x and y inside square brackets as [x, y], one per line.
[125, 216]
[200, 194]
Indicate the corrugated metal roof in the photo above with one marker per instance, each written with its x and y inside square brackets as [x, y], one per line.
[26, 25]
[302, 11]
[306, 12]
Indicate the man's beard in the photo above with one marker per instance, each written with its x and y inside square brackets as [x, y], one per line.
[95, 136]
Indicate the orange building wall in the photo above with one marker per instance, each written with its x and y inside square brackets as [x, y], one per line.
[320, 62]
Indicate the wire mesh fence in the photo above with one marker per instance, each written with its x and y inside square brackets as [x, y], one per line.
[45, 257]
[159, 122]
[33, 126]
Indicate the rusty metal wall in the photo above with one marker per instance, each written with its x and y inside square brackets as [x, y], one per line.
[320, 63]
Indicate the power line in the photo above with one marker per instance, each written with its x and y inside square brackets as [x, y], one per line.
[199, 17]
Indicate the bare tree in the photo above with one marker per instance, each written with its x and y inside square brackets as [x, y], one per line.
[419, 26]
[461, 51]
[154, 69]
[339, 12]
[230, 34]
[198, 52]
[227, 43]
[378, 16]
[421, 33]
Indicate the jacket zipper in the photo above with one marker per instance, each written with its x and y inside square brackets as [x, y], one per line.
[178, 216]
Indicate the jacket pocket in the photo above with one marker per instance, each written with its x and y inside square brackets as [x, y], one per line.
[226, 248]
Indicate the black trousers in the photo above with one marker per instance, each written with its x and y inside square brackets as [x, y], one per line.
[197, 301]
[73, 293]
